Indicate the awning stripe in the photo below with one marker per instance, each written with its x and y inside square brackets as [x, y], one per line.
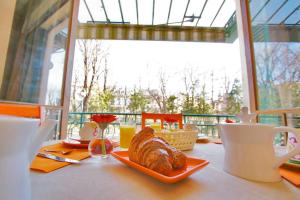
[139, 32]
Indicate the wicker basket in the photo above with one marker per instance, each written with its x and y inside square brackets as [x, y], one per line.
[180, 139]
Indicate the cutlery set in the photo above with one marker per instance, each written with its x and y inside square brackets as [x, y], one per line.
[58, 158]
[58, 151]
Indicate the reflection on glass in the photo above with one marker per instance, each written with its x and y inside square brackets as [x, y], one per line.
[35, 60]
[277, 50]
[278, 74]
[54, 113]
[275, 120]
[293, 120]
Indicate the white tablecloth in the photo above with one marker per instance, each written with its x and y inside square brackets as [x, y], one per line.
[109, 179]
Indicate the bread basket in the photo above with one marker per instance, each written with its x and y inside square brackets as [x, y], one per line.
[180, 139]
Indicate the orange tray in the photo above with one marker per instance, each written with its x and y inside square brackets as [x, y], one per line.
[193, 165]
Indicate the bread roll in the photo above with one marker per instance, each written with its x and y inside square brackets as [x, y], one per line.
[155, 153]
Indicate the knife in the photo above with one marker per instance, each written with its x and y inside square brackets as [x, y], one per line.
[57, 158]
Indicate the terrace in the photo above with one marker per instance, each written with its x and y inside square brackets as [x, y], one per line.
[195, 21]
[51, 58]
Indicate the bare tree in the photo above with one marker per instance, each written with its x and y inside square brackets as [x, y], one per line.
[212, 89]
[126, 97]
[278, 71]
[277, 63]
[191, 83]
[105, 75]
[226, 84]
[160, 96]
[73, 103]
[93, 55]
[163, 90]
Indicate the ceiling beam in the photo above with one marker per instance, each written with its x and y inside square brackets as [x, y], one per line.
[103, 6]
[186, 8]
[153, 10]
[217, 13]
[282, 22]
[88, 9]
[276, 11]
[200, 15]
[110, 22]
[170, 7]
[121, 12]
[137, 11]
[265, 4]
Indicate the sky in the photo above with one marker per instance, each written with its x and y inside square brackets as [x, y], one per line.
[139, 63]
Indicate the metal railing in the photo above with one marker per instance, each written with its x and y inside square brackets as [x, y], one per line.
[205, 122]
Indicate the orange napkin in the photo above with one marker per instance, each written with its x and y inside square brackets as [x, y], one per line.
[292, 174]
[47, 165]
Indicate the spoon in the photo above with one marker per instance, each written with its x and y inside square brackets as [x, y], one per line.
[58, 151]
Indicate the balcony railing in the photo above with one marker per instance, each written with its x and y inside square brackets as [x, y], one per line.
[205, 122]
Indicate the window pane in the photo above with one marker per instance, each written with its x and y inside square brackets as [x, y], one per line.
[293, 120]
[276, 120]
[34, 66]
[277, 48]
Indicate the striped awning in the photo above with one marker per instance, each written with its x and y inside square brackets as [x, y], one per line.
[148, 32]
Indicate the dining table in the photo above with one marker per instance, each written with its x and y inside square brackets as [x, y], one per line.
[111, 179]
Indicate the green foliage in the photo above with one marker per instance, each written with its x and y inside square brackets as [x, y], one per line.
[187, 105]
[233, 98]
[171, 104]
[196, 104]
[102, 101]
[106, 100]
[268, 97]
[199, 106]
[202, 107]
[286, 95]
[138, 102]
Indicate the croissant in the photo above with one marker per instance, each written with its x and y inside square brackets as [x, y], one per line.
[155, 153]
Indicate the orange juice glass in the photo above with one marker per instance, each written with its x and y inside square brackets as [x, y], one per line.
[156, 126]
[126, 134]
